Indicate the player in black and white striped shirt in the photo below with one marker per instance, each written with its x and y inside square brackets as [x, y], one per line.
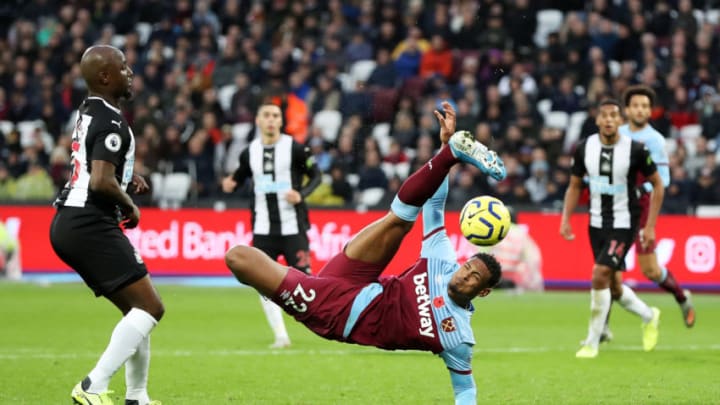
[277, 166]
[85, 231]
[611, 162]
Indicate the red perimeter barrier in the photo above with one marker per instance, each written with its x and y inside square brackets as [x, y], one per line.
[193, 242]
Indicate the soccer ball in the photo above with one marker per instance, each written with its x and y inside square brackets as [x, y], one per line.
[484, 221]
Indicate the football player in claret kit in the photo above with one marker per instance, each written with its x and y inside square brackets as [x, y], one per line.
[427, 307]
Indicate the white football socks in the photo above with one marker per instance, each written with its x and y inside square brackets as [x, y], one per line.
[136, 373]
[132, 329]
[599, 307]
[273, 313]
[633, 304]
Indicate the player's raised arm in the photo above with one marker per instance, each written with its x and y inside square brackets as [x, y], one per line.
[458, 362]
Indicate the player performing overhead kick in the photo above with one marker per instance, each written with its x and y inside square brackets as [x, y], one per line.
[428, 307]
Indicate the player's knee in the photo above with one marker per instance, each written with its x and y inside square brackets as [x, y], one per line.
[236, 258]
[157, 311]
[601, 276]
[650, 271]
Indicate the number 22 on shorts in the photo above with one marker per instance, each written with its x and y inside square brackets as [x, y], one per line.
[302, 295]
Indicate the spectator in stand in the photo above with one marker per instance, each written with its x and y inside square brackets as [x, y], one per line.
[678, 194]
[680, 111]
[521, 24]
[35, 184]
[408, 54]
[465, 186]
[706, 189]
[538, 183]
[384, 75]
[403, 130]
[438, 60]
[325, 96]
[8, 184]
[371, 175]
[358, 48]
[518, 72]
[345, 155]
[565, 99]
[180, 68]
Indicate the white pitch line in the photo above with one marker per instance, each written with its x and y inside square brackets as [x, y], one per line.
[30, 353]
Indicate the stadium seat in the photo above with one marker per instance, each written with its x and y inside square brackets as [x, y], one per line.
[670, 145]
[241, 131]
[353, 179]
[544, 106]
[118, 41]
[27, 132]
[413, 87]
[614, 67]
[691, 131]
[225, 95]
[346, 82]
[157, 181]
[708, 211]
[548, 21]
[383, 105]
[388, 168]
[688, 136]
[699, 17]
[371, 196]
[557, 119]
[381, 133]
[176, 187]
[573, 130]
[361, 70]
[713, 16]
[381, 130]
[6, 127]
[402, 170]
[144, 29]
[329, 122]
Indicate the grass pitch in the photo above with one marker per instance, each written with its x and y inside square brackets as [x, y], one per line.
[211, 348]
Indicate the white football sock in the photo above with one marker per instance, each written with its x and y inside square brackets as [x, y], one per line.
[599, 307]
[633, 304]
[273, 313]
[136, 373]
[127, 335]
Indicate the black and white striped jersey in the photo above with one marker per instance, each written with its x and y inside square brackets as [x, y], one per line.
[611, 172]
[100, 133]
[275, 169]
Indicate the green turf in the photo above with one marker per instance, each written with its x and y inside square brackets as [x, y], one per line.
[211, 348]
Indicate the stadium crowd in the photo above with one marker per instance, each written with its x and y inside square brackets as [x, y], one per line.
[358, 81]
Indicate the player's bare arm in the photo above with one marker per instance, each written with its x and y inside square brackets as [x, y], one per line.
[228, 184]
[572, 196]
[104, 183]
[293, 197]
[648, 233]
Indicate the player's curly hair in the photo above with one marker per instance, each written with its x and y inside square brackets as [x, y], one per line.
[493, 266]
[639, 90]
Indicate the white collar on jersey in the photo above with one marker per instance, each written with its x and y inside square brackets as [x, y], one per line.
[110, 106]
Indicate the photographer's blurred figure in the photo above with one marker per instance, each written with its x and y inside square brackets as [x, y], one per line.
[519, 257]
